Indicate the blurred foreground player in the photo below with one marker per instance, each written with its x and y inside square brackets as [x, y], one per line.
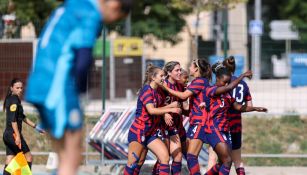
[60, 70]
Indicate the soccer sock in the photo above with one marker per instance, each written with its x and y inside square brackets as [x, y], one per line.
[129, 170]
[164, 169]
[240, 171]
[224, 170]
[155, 169]
[137, 170]
[176, 168]
[193, 164]
[214, 170]
[5, 172]
[30, 165]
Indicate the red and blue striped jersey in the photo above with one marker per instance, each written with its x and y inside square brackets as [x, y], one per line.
[198, 88]
[241, 94]
[143, 120]
[170, 98]
[218, 110]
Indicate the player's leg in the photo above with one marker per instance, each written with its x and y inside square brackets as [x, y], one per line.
[176, 153]
[141, 162]
[160, 150]
[223, 152]
[236, 139]
[212, 157]
[221, 143]
[69, 148]
[7, 161]
[194, 149]
[135, 151]
[163, 135]
[213, 166]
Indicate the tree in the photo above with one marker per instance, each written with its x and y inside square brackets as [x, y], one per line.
[35, 11]
[159, 18]
[294, 10]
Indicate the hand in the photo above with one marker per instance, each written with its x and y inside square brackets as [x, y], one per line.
[176, 110]
[39, 129]
[202, 105]
[18, 141]
[248, 74]
[261, 109]
[175, 104]
[168, 119]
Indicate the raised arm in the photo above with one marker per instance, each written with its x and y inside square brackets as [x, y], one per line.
[233, 84]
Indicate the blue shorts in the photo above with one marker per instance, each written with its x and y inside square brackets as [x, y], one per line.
[236, 139]
[197, 132]
[138, 135]
[66, 115]
[171, 132]
[160, 134]
[217, 137]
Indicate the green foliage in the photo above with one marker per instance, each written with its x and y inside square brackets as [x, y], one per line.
[294, 10]
[30, 11]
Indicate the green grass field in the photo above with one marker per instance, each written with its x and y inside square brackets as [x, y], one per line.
[263, 135]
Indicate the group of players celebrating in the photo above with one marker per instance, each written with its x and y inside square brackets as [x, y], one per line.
[214, 113]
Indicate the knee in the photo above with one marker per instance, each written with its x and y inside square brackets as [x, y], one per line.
[225, 158]
[164, 159]
[177, 157]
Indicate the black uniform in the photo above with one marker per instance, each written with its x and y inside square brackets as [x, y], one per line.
[14, 113]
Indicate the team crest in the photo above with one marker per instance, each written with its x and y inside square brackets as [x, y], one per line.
[13, 107]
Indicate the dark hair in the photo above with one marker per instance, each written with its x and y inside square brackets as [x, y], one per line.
[184, 72]
[126, 6]
[9, 92]
[169, 66]
[230, 64]
[151, 71]
[220, 70]
[204, 68]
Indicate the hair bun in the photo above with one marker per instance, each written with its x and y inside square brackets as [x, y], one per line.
[231, 60]
[217, 66]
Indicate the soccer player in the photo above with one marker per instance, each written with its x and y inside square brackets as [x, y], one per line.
[200, 69]
[172, 125]
[217, 125]
[12, 136]
[242, 96]
[142, 134]
[59, 76]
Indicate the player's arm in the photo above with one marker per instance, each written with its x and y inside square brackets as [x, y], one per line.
[233, 84]
[182, 95]
[161, 111]
[82, 67]
[245, 108]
